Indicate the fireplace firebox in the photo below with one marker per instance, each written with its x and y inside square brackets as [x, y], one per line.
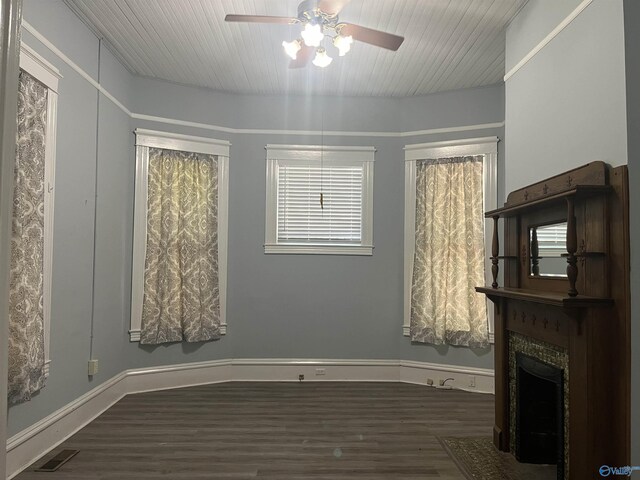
[539, 413]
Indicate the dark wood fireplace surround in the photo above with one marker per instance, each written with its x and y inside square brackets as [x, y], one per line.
[587, 313]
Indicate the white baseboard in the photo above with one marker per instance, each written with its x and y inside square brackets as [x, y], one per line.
[288, 370]
[178, 376]
[32, 443]
[461, 378]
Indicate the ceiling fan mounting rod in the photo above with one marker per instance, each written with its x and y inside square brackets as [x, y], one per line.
[309, 11]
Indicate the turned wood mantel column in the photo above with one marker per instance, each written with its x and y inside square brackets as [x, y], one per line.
[495, 252]
[572, 248]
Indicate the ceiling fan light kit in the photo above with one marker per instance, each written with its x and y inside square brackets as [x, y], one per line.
[312, 34]
[319, 19]
[343, 44]
[292, 48]
[322, 59]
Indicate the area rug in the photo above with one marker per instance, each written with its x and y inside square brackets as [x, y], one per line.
[478, 459]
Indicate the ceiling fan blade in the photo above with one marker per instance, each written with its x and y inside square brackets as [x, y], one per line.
[373, 37]
[260, 19]
[332, 7]
[303, 57]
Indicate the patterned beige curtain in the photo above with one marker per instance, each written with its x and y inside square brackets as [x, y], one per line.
[449, 254]
[26, 313]
[181, 289]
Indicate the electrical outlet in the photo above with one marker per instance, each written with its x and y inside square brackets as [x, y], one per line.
[321, 371]
[472, 381]
[301, 377]
[93, 367]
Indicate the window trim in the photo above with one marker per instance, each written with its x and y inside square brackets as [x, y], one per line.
[146, 139]
[43, 71]
[360, 155]
[487, 146]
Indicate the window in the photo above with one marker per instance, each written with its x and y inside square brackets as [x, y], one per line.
[319, 200]
[180, 238]
[35, 166]
[484, 147]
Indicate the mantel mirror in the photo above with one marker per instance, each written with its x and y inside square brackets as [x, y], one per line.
[548, 250]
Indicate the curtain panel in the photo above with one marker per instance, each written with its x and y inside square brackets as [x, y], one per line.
[26, 276]
[449, 253]
[181, 287]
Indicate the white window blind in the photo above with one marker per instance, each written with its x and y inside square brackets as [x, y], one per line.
[296, 222]
[552, 239]
[301, 219]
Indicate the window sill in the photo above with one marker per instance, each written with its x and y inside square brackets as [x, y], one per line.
[134, 335]
[319, 249]
[407, 333]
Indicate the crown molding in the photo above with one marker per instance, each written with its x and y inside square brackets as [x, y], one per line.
[253, 131]
[546, 40]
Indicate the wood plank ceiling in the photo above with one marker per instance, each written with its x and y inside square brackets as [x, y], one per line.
[449, 45]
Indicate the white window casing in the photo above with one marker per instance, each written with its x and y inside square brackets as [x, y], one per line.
[486, 146]
[43, 71]
[294, 221]
[146, 139]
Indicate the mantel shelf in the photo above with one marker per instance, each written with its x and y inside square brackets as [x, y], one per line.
[581, 191]
[555, 299]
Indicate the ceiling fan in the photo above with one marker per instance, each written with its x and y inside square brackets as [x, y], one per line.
[319, 19]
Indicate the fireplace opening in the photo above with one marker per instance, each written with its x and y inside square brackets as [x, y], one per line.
[539, 413]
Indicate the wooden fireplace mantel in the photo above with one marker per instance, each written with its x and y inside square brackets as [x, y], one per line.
[547, 298]
[578, 191]
[586, 313]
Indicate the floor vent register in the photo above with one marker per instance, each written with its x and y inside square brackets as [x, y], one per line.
[56, 462]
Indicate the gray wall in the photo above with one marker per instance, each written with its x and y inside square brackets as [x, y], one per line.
[576, 101]
[75, 301]
[283, 306]
[439, 110]
[632, 60]
[532, 24]
[566, 106]
[305, 305]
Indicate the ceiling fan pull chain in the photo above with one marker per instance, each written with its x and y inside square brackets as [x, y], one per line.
[322, 151]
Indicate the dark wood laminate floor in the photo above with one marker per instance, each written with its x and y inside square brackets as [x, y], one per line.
[276, 431]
